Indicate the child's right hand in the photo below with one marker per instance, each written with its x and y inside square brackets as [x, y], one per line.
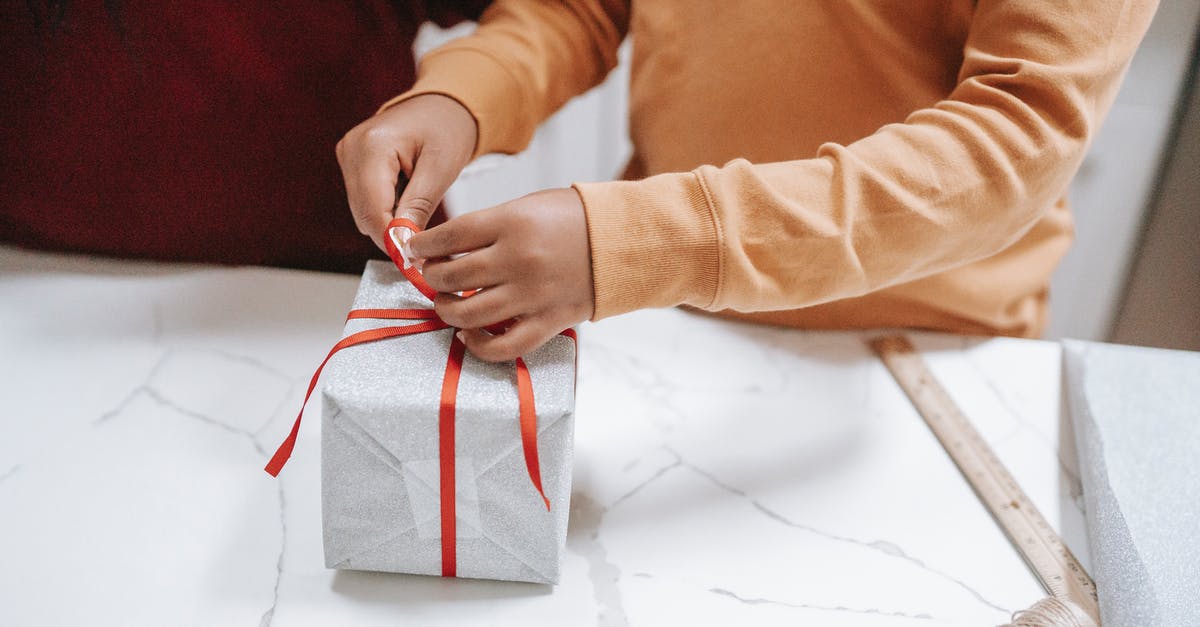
[429, 138]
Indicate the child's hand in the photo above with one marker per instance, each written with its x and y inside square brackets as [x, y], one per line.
[531, 258]
[429, 138]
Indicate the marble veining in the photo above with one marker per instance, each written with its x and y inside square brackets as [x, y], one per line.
[1013, 407]
[583, 539]
[725, 473]
[148, 390]
[809, 606]
[883, 546]
[10, 472]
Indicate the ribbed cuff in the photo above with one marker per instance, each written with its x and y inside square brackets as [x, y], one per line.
[654, 243]
[482, 85]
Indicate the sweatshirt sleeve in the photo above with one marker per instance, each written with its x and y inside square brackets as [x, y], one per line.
[526, 59]
[954, 183]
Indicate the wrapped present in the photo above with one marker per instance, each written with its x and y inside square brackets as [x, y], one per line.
[380, 453]
[434, 462]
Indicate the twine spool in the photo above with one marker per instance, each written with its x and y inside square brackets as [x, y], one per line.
[1052, 612]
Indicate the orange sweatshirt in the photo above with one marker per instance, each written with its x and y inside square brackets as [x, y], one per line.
[886, 163]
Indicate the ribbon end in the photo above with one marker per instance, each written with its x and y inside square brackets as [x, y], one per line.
[275, 465]
[284, 453]
[546, 501]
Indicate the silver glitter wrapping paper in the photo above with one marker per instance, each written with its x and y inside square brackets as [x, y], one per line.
[1136, 414]
[379, 452]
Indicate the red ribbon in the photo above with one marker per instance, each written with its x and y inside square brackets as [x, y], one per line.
[431, 322]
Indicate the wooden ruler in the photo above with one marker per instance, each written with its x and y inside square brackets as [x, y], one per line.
[1043, 550]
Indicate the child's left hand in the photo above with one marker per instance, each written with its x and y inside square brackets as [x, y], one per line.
[531, 258]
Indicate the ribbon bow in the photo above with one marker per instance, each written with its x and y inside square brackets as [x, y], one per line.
[395, 236]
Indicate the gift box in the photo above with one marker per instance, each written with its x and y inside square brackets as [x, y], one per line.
[384, 457]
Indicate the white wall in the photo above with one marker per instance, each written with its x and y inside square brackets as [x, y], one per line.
[1110, 192]
[1161, 304]
[587, 141]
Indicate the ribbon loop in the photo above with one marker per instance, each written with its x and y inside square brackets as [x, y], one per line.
[395, 239]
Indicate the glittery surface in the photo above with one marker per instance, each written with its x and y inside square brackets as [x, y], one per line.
[1136, 414]
[379, 452]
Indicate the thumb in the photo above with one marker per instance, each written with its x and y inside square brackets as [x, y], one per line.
[431, 176]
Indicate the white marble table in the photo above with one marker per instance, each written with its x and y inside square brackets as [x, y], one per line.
[725, 474]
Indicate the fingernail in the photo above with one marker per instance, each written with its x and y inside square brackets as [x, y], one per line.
[409, 258]
[459, 335]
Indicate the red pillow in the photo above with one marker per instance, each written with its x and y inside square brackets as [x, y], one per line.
[195, 131]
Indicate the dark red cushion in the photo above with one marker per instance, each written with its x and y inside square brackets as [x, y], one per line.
[199, 131]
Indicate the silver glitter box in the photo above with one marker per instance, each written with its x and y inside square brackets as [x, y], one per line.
[379, 452]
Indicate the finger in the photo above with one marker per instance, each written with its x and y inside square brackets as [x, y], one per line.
[523, 337]
[432, 174]
[481, 310]
[471, 271]
[459, 235]
[371, 191]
